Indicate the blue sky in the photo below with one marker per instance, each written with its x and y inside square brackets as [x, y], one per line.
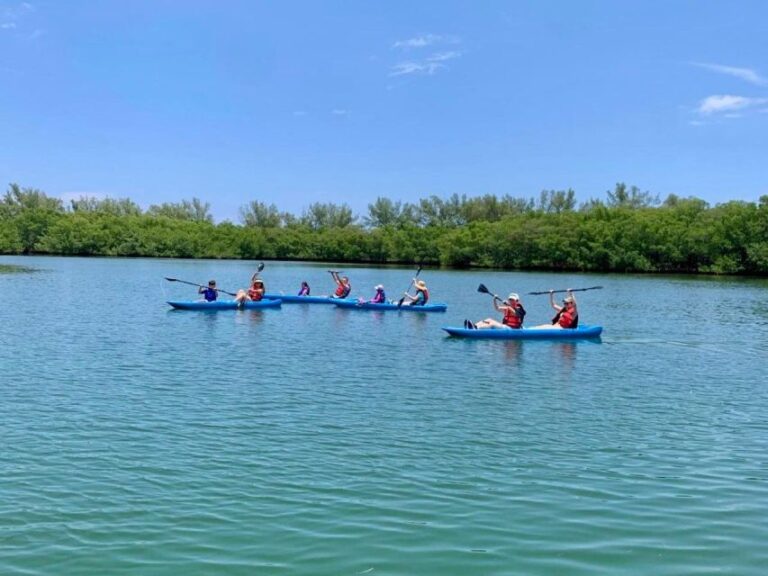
[300, 102]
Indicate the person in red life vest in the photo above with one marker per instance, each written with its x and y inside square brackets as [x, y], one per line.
[422, 294]
[253, 294]
[513, 311]
[343, 287]
[567, 315]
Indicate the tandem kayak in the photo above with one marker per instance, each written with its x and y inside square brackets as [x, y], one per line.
[223, 305]
[355, 305]
[582, 332]
[295, 299]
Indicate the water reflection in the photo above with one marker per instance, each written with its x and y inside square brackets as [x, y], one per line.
[513, 351]
[565, 355]
[252, 317]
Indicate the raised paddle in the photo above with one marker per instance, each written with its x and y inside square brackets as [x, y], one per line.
[483, 290]
[400, 302]
[198, 285]
[259, 268]
[571, 290]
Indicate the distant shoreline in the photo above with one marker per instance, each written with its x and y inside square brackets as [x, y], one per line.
[629, 233]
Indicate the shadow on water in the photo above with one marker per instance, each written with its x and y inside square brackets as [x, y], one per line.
[15, 269]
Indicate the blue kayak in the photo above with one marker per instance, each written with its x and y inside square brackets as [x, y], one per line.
[582, 332]
[295, 299]
[356, 305]
[224, 304]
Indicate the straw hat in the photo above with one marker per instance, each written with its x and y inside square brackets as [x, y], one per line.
[421, 285]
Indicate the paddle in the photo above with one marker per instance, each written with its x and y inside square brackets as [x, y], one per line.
[571, 290]
[259, 268]
[198, 285]
[400, 302]
[483, 290]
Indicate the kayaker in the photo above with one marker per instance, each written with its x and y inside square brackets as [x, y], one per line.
[567, 315]
[304, 291]
[380, 297]
[209, 294]
[513, 311]
[253, 294]
[343, 287]
[422, 294]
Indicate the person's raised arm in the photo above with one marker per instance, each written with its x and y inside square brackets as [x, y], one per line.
[552, 300]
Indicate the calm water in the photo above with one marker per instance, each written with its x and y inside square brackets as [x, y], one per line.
[310, 440]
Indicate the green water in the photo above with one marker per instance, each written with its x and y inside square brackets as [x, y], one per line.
[311, 440]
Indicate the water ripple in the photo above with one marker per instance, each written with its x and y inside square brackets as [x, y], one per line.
[315, 441]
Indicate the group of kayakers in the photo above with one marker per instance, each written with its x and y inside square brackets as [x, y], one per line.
[343, 289]
[566, 316]
[512, 310]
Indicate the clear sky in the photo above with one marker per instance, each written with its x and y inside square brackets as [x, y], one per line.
[344, 101]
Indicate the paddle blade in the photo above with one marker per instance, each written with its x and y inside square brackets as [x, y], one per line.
[260, 267]
[171, 279]
[483, 290]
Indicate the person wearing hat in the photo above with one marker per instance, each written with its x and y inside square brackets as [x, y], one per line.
[567, 315]
[513, 311]
[209, 294]
[380, 297]
[422, 294]
[254, 293]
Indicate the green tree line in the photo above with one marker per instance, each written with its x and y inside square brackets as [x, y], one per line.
[628, 231]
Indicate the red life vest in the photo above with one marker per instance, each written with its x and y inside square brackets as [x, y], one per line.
[568, 319]
[255, 294]
[343, 291]
[512, 317]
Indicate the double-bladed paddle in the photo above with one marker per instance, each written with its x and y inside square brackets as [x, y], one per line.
[571, 290]
[198, 285]
[400, 302]
[259, 268]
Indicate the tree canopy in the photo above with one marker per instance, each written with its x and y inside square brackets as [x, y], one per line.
[631, 231]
